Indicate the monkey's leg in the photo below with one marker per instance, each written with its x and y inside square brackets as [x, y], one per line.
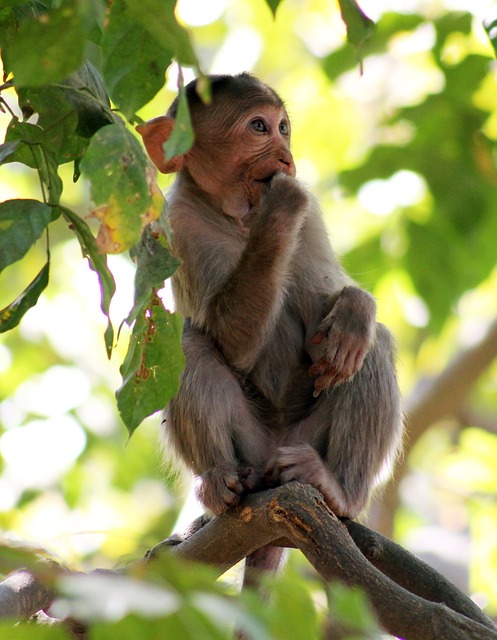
[355, 430]
[210, 426]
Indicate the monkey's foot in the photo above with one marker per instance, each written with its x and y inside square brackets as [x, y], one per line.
[219, 488]
[303, 464]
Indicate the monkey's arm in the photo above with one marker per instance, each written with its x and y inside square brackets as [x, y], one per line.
[244, 311]
[236, 298]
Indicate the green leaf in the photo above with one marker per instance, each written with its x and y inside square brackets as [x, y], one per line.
[273, 5]
[182, 136]
[11, 315]
[47, 48]
[134, 64]
[351, 607]
[292, 612]
[344, 59]
[359, 26]
[58, 120]
[98, 262]
[154, 265]
[121, 187]
[36, 153]
[7, 149]
[21, 224]
[27, 630]
[86, 91]
[152, 365]
[490, 25]
[158, 19]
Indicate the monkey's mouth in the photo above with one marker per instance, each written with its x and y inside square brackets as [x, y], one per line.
[267, 179]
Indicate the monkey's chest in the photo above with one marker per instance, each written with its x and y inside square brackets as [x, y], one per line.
[279, 387]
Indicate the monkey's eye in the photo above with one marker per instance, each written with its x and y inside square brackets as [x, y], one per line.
[258, 125]
[284, 128]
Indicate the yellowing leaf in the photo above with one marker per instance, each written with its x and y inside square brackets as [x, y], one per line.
[122, 188]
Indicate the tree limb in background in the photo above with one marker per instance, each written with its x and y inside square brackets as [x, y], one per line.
[432, 400]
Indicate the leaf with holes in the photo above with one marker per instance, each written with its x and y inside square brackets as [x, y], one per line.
[154, 264]
[152, 365]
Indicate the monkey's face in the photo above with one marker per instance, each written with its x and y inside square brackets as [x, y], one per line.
[262, 149]
[235, 164]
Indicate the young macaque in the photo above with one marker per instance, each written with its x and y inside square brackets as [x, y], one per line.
[288, 375]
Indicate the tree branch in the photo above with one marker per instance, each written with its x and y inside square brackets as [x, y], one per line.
[408, 605]
[445, 394]
[411, 600]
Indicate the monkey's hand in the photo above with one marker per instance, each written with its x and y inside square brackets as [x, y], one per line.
[284, 201]
[347, 334]
[303, 464]
[219, 488]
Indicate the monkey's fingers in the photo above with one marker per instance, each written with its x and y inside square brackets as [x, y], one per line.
[319, 337]
[325, 381]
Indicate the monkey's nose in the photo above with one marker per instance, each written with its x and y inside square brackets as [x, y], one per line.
[287, 166]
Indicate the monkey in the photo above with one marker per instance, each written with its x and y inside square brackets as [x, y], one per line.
[288, 375]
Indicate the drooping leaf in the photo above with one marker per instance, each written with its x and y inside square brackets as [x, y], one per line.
[48, 47]
[152, 365]
[98, 262]
[158, 19]
[21, 224]
[11, 315]
[344, 58]
[123, 188]
[359, 27]
[154, 264]
[182, 136]
[86, 91]
[273, 5]
[134, 64]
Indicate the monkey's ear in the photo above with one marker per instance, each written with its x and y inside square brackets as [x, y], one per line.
[155, 133]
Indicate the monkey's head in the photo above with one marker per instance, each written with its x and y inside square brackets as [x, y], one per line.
[242, 139]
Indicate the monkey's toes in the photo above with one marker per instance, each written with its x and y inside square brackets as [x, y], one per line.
[250, 478]
[219, 489]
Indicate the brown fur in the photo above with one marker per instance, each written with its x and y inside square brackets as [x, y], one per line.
[288, 376]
